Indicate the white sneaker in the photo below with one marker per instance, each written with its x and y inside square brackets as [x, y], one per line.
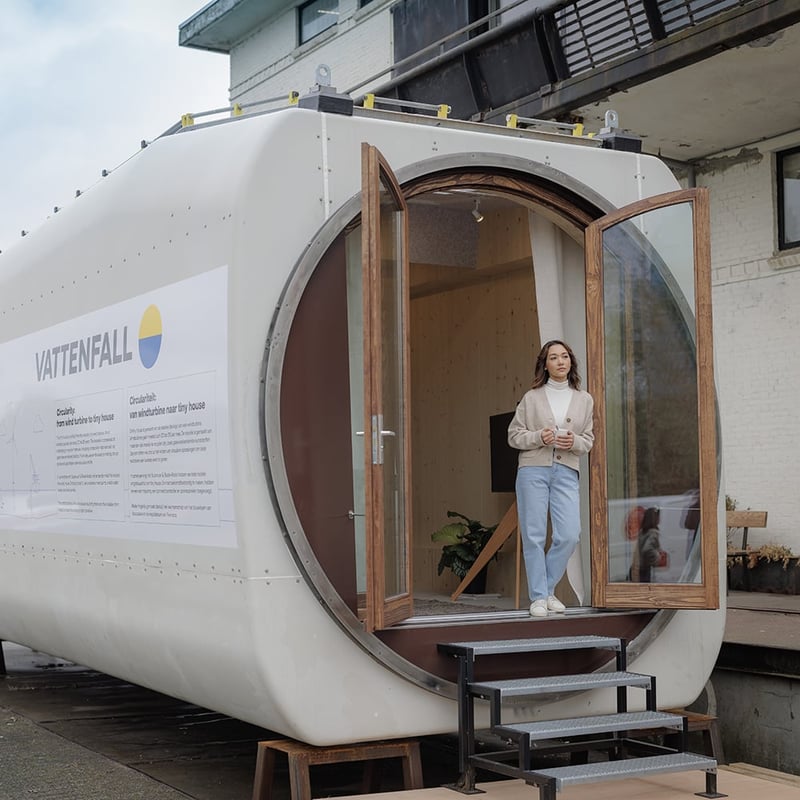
[554, 604]
[539, 608]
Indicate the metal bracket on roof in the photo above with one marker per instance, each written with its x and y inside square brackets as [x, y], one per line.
[324, 97]
[323, 75]
[614, 138]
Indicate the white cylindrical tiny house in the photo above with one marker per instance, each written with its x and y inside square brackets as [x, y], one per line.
[182, 479]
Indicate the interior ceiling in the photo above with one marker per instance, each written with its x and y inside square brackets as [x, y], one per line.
[464, 200]
[740, 96]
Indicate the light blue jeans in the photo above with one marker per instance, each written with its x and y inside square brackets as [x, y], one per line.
[540, 488]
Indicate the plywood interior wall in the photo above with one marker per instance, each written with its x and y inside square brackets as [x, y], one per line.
[474, 339]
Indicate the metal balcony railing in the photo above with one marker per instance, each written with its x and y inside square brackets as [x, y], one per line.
[594, 32]
[542, 59]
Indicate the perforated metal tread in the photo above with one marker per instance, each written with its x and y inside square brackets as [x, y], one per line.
[580, 726]
[542, 645]
[626, 768]
[521, 687]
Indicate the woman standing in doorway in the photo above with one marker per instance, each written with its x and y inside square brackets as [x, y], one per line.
[551, 428]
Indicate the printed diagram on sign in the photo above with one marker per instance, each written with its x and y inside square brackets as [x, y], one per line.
[21, 490]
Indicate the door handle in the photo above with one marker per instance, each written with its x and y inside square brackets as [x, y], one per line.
[378, 435]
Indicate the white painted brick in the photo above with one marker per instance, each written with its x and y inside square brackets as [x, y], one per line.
[269, 63]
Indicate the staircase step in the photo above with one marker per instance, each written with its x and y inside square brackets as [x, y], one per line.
[581, 726]
[545, 644]
[617, 770]
[522, 687]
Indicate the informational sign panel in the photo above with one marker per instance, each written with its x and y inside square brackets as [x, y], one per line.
[116, 423]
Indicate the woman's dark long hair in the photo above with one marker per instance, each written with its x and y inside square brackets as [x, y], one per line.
[650, 519]
[540, 374]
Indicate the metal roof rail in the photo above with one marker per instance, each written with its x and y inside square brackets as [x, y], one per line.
[515, 121]
[442, 109]
[235, 110]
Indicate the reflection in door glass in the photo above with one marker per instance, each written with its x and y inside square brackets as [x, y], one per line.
[653, 466]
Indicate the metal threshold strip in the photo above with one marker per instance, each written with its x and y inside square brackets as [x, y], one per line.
[516, 615]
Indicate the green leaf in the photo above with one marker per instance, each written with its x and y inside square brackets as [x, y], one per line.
[449, 534]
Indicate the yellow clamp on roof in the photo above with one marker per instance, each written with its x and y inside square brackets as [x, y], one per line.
[369, 101]
[443, 111]
[293, 98]
[186, 120]
[511, 120]
[236, 111]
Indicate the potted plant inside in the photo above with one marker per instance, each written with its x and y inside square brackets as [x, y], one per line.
[462, 543]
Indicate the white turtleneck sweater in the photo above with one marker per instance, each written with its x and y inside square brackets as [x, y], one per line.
[559, 395]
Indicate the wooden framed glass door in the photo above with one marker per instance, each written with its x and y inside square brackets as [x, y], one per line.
[386, 430]
[650, 370]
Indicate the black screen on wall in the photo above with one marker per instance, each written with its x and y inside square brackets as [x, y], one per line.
[503, 456]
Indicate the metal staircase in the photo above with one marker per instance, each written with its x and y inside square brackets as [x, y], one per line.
[611, 736]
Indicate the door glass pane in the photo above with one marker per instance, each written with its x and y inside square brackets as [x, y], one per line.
[651, 398]
[355, 341]
[392, 436]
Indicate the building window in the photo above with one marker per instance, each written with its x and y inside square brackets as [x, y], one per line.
[789, 199]
[316, 17]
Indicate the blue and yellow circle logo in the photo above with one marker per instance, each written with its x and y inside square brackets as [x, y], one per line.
[150, 333]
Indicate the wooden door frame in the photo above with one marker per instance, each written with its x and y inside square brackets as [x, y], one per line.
[382, 612]
[705, 594]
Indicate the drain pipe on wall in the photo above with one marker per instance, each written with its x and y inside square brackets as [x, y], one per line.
[684, 171]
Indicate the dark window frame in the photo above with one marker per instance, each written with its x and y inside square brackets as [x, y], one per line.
[302, 36]
[783, 243]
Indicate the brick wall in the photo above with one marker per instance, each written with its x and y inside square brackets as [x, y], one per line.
[756, 336]
[269, 63]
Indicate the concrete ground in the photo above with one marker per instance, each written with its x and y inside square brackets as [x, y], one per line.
[733, 783]
[763, 619]
[70, 733]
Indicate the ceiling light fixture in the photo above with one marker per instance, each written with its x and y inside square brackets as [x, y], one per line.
[476, 213]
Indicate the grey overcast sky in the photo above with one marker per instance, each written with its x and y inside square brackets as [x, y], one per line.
[82, 82]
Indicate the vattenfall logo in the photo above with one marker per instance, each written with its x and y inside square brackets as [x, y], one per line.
[103, 349]
[150, 333]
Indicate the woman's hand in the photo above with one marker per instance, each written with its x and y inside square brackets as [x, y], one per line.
[548, 437]
[565, 441]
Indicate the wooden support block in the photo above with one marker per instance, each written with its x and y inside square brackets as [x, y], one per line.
[302, 756]
[709, 726]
